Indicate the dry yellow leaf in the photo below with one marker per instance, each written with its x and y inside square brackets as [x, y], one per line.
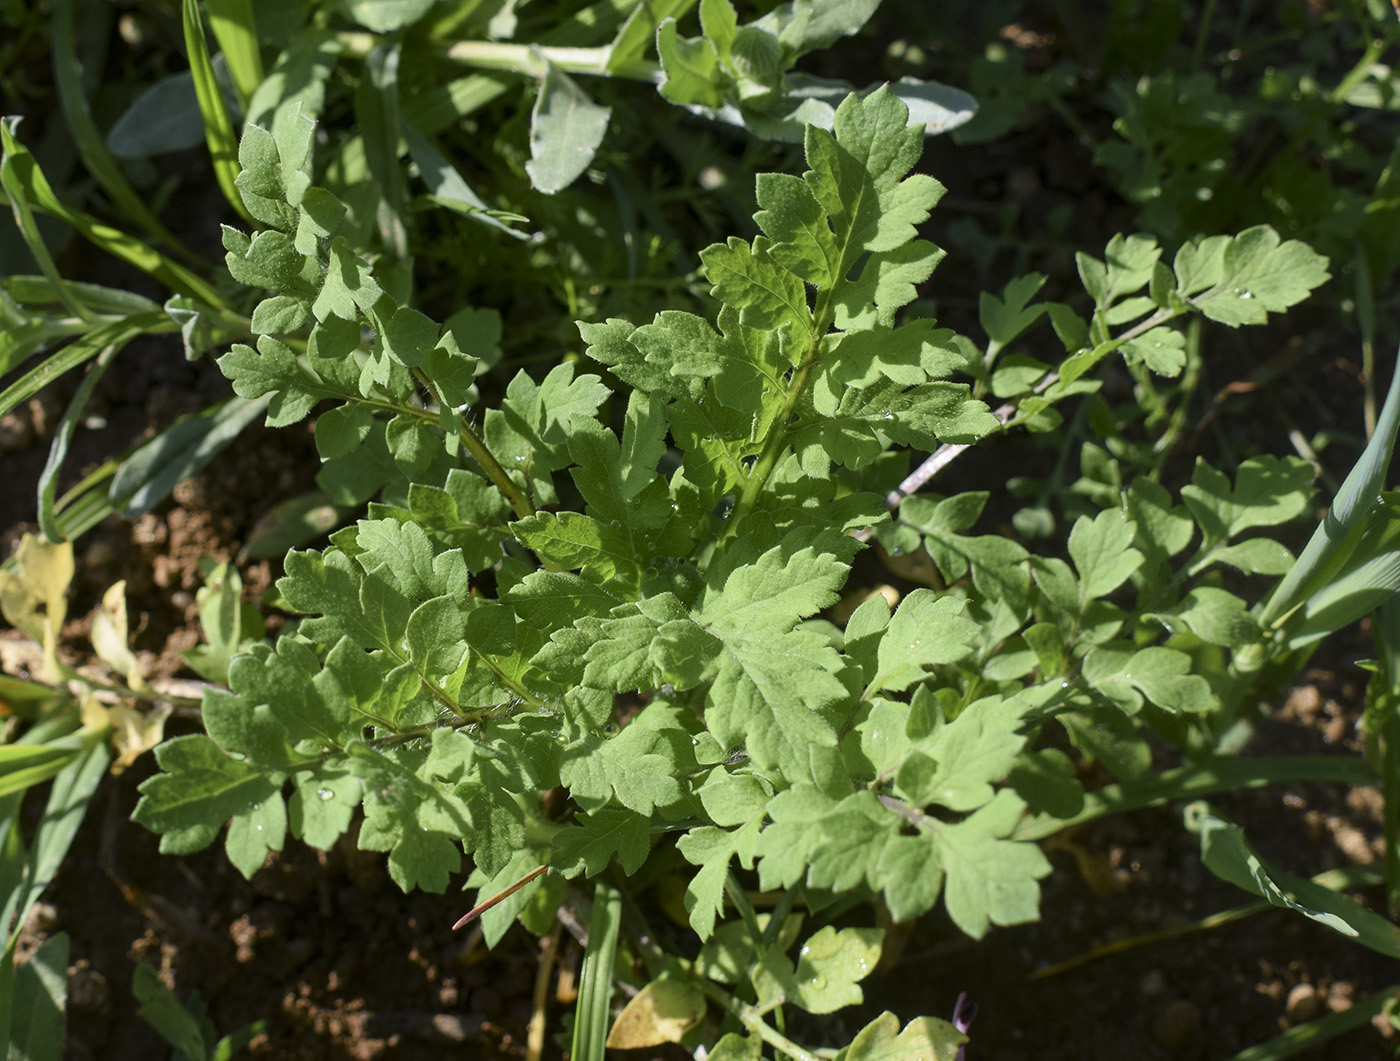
[32, 595]
[662, 1012]
[133, 731]
[109, 637]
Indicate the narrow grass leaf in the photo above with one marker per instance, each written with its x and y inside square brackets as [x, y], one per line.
[58, 449]
[440, 107]
[596, 979]
[80, 351]
[377, 111]
[17, 191]
[163, 1012]
[22, 766]
[164, 118]
[67, 72]
[446, 185]
[1190, 782]
[236, 31]
[147, 477]
[1303, 1037]
[638, 34]
[218, 127]
[40, 1001]
[40, 195]
[1228, 855]
[1353, 501]
[69, 796]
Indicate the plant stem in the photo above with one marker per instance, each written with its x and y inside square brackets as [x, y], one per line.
[750, 1018]
[767, 459]
[489, 464]
[532, 60]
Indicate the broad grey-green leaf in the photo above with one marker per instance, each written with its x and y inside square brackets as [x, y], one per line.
[566, 128]
[1228, 855]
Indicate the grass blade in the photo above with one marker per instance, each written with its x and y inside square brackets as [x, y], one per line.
[16, 191]
[1353, 501]
[236, 31]
[1345, 878]
[58, 450]
[1192, 782]
[80, 351]
[40, 195]
[40, 999]
[592, 1016]
[446, 185]
[438, 108]
[68, 801]
[1305, 1036]
[31, 291]
[1381, 723]
[22, 766]
[218, 128]
[377, 111]
[67, 72]
[638, 33]
[11, 885]
[146, 478]
[1228, 855]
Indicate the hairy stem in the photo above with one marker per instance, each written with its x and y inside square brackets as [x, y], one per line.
[489, 464]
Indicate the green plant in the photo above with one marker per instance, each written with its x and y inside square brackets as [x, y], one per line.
[186, 1025]
[653, 587]
[350, 55]
[53, 745]
[646, 631]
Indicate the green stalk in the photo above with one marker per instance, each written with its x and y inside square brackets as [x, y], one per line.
[753, 1021]
[490, 465]
[531, 60]
[773, 446]
[1382, 722]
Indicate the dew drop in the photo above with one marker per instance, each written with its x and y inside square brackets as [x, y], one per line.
[323, 793]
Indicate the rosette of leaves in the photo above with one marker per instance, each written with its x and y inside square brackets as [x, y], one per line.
[525, 584]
